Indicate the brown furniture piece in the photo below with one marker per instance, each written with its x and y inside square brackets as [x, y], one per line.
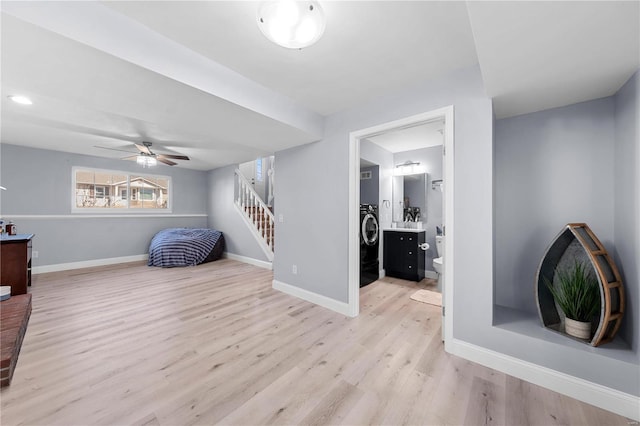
[15, 259]
[14, 317]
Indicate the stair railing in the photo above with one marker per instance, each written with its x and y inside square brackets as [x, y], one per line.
[256, 213]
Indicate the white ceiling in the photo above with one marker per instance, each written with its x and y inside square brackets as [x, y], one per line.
[540, 55]
[411, 138]
[199, 77]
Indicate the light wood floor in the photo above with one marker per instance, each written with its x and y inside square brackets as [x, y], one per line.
[133, 345]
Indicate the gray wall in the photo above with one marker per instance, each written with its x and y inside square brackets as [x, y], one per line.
[224, 217]
[370, 188]
[627, 202]
[39, 183]
[313, 234]
[551, 168]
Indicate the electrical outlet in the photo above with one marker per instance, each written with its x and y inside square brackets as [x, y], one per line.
[294, 269]
[34, 254]
[281, 218]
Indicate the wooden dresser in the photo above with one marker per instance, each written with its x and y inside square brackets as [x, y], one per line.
[15, 262]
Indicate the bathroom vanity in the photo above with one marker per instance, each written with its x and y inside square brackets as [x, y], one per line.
[403, 256]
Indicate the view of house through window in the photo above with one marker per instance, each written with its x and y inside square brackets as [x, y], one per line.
[116, 190]
[148, 192]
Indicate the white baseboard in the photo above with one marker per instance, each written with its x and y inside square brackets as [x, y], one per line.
[124, 259]
[255, 262]
[431, 274]
[606, 398]
[87, 264]
[325, 302]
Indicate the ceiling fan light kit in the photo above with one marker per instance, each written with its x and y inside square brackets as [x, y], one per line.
[290, 23]
[20, 99]
[147, 158]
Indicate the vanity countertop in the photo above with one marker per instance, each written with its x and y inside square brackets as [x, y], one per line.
[405, 230]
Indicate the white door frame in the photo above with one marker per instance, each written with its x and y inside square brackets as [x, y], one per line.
[445, 113]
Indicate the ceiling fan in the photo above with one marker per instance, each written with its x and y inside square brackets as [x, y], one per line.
[147, 158]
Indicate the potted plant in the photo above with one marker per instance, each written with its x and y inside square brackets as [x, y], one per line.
[577, 293]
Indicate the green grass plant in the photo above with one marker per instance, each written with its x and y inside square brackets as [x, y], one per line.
[577, 292]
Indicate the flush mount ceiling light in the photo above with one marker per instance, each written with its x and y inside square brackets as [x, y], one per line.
[291, 24]
[20, 99]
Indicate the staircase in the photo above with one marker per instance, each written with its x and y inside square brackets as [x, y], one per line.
[256, 214]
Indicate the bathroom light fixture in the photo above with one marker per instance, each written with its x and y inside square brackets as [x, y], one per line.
[146, 160]
[20, 99]
[407, 168]
[408, 164]
[3, 188]
[290, 23]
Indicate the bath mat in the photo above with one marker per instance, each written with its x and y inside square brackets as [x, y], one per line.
[428, 296]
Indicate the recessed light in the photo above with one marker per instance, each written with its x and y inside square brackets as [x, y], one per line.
[20, 99]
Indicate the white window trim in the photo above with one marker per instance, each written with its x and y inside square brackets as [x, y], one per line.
[125, 210]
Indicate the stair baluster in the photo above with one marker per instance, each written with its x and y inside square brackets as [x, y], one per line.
[256, 213]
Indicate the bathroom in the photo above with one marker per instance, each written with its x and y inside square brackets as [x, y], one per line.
[402, 173]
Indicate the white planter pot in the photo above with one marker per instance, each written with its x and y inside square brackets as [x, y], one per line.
[579, 329]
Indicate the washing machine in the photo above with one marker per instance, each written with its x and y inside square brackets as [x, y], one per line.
[369, 244]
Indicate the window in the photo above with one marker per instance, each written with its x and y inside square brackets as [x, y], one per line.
[259, 169]
[100, 191]
[110, 191]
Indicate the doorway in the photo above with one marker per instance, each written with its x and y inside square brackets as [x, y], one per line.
[446, 115]
[259, 173]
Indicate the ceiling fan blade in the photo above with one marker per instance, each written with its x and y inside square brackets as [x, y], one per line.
[165, 161]
[175, 157]
[144, 149]
[113, 149]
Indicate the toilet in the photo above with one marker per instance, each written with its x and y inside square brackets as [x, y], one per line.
[437, 262]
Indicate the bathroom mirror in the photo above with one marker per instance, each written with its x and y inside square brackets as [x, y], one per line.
[410, 198]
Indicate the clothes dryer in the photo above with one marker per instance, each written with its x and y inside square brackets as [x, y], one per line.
[369, 244]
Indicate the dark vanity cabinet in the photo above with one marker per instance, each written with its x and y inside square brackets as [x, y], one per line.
[403, 257]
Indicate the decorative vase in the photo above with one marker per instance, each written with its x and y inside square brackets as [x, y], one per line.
[579, 329]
